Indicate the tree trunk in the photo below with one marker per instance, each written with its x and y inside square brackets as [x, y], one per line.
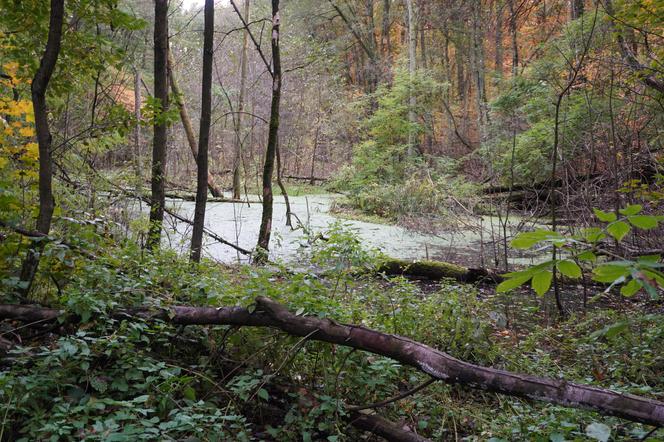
[44, 140]
[576, 8]
[237, 155]
[138, 163]
[272, 138]
[412, 66]
[158, 199]
[385, 37]
[479, 71]
[186, 122]
[204, 133]
[499, 38]
[437, 364]
[283, 188]
[514, 35]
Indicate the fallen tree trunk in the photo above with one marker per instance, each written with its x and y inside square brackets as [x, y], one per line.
[436, 270]
[383, 428]
[440, 365]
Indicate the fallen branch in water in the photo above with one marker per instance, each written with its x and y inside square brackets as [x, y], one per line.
[439, 365]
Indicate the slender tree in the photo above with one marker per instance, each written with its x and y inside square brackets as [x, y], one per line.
[44, 139]
[237, 157]
[158, 197]
[204, 133]
[412, 41]
[273, 135]
[186, 121]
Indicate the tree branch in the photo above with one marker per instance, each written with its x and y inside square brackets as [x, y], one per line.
[437, 364]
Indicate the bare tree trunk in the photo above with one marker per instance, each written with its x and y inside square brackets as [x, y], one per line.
[283, 188]
[272, 139]
[158, 197]
[500, 7]
[513, 34]
[312, 175]
[385, 37]
[138, 162]
[204, 133]
[44, 139]
[576, 8]
[412, 101]
[237, 159]
[186, 122]
[480, 70]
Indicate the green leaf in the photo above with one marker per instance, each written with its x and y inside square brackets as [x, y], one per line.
[598, 431]
[609, 273]
[587, 256]
[607, 217]
[632, 209]
[189, 393]
[262, 393]
[526, 240]
[513, 283]
[593, 234]
[542, 281]
[556, 437]
[631, 288]
[618, 230]
[644, 222]
[569, 268]
[610, 330]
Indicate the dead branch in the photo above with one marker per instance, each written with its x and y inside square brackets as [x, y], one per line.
[439, 365]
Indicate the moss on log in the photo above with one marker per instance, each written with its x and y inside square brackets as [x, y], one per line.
[436, 270]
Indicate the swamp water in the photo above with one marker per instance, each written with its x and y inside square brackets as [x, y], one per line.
[469, 243]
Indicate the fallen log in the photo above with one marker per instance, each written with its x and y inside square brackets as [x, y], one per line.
[305, 178]
[436, 270]
[383, 428]
[439, 365]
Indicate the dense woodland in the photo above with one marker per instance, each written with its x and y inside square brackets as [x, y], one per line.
[332, 220]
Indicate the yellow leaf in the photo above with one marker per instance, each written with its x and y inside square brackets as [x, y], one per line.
[26, 131]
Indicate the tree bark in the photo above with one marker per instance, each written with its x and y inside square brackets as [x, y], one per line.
[138, 163]
[273, 137]
[576, 8]
[499, 38]
[204, 133]
[385, 37]
[514, 35]
[437, 364]
[237, 157]
[158, 199]
[44, 140]
[186, 122]
[412, 66]
[383, 428]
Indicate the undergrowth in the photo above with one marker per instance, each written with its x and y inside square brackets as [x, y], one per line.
[117, 379]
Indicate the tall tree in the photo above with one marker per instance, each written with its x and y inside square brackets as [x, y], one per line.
[576, 8]
[44, 139]
[385, 34]
[412, 41]
[237, 155]
[273, 135]
[158, 196]
[204, 133]
[186, 121]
